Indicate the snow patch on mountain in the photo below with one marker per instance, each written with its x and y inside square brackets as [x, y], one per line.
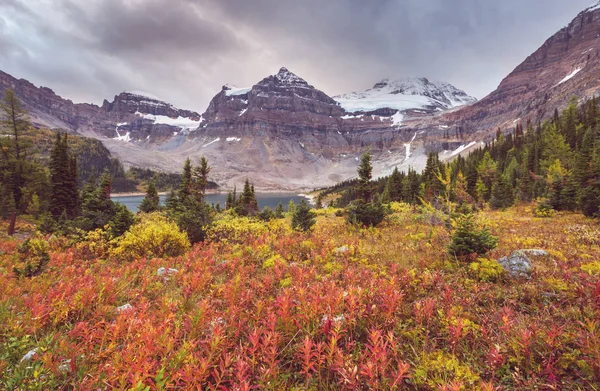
[180, 122]
[569, 76]
[231, 90]
[405, 94]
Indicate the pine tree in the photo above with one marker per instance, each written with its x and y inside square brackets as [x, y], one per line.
[121, 221]
[187, 207]
[502, 193]
[151, 202]
[64, 197]
[319, 204]
[291, 207]
[199, 180]
[429, 177]
[247, 206]
[185, 189]
[279, 211]
[16, 166]
[303, 218]
[395, 185]
[365, 171]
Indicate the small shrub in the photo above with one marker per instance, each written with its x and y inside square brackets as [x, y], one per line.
[31, 258]
[584, 234]
[468, 239]
[544, 209]
[96, 244]
[486, 270]
[592, 268]
[154, 236]
[266, 214]
[369, 214]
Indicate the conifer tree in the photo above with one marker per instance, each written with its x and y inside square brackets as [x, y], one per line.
[502, 193]
[247, 206]
[395, 185]
[303, 218]
[365, 171]
[151, 202]
[64, 197]
[279, 211]
[19, 173]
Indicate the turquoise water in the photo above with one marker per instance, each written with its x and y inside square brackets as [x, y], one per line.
[264, 199]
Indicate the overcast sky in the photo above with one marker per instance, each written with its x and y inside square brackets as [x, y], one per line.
[184, 50]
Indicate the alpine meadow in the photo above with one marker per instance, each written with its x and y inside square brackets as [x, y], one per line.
[421, 238]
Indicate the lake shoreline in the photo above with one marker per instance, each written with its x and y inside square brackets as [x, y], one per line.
[271, 199]
[164, 193]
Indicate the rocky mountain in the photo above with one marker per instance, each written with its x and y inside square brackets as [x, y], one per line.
[131, 116]
[284, 133]
[298, 136]
[566, 65]
[417, 96]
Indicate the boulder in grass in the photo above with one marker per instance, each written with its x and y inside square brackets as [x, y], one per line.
[518, 265]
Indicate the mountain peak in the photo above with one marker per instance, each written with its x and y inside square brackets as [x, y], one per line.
[405, 94]
[284, 76]
[143, 95]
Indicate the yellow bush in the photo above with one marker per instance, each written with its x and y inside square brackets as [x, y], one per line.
[96, 245]
[592, 269]
[236, 229]
[438, 368]
[154, 236]
[486, 270]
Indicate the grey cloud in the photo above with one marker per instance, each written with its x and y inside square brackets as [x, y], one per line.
[184, 50]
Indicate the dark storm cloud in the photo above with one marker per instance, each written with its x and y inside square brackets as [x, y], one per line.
[184, 50]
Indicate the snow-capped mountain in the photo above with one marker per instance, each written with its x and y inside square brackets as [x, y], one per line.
[286, 134]
[405, 94]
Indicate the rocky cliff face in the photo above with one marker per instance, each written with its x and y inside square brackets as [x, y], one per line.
[566, 65]
[131, 116]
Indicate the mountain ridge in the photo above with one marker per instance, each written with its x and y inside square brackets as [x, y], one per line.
[287, 134]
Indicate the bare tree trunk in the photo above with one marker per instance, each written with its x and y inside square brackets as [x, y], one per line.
[11, 225]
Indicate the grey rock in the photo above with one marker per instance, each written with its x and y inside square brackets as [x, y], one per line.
[30, 354]
[535, 252]
[165, 272]
[341, 250]
[125, 308]
[65, 366]
[517, 265]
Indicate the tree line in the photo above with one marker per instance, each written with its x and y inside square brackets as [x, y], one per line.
[556, 163]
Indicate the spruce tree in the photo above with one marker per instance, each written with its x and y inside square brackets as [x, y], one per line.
[16, 166]
[365, 171]
[151, 202]
[64, 197]
[303, 218]
[279, 211]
